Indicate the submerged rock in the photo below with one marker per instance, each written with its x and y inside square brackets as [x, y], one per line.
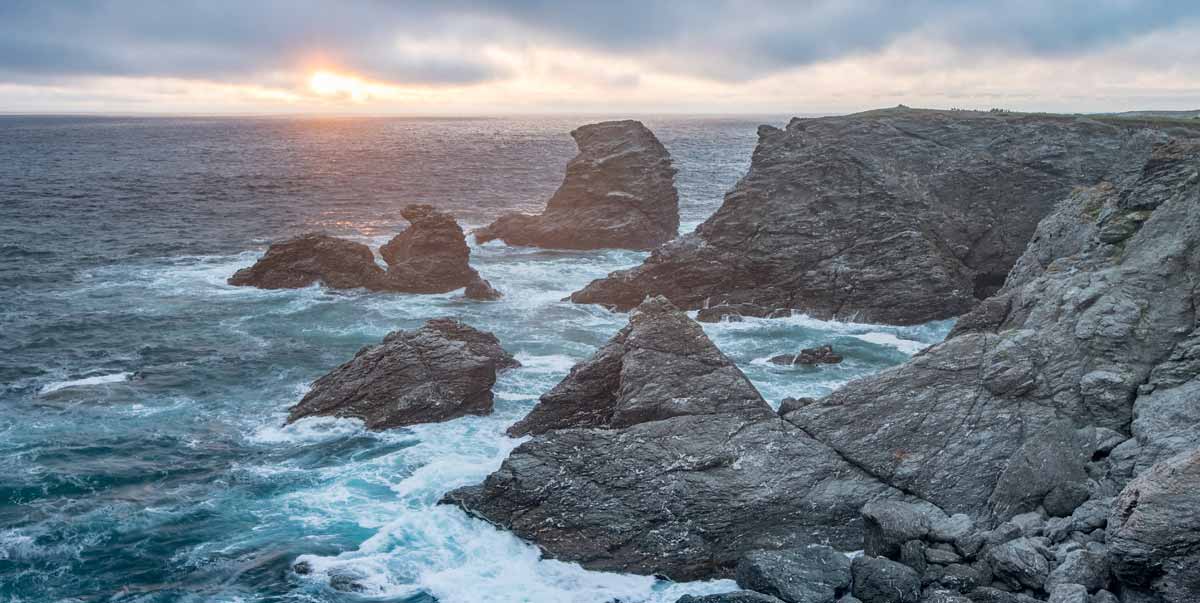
[441, 371]
[1020, 411]
[898, 216]
[619, 192]
[431, 256]
[818, 355]
[310, 259]
[657, 456]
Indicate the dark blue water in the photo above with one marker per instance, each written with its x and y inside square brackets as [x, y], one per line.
[142, 399]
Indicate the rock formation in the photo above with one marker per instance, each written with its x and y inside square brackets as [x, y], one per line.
[441, 371]
[619, 192]
[312, 258]
[431, 256]
[657, 456]
[897, 216]
[818, 355]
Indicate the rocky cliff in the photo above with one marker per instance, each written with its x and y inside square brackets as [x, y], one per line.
[619, 192]
[898, 216]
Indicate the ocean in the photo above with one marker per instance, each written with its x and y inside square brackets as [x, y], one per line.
[142, 400]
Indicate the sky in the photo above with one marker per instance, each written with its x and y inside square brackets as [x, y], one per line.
[616, 56]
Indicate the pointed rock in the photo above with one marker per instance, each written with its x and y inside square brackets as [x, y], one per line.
[619, 192]
[430, 256]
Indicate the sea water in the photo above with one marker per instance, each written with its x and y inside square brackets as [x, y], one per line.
[143, 451]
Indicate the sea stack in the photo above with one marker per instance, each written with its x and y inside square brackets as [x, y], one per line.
[618, 192]
[897, 216]
[312, 258]
[658, 456]
[441, 371]
[431, 256]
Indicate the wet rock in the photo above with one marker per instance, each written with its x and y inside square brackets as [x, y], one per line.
[310, 259]
[657, 456]
[818, 355]
[787, 405]
[441, 371]
[482, 290]
[879, 580]
[1154, 530]
[740, 596]
[619, 192]
[1019, 564]
[996, 423]
[898, 216]
[430, 256]
[814, 574]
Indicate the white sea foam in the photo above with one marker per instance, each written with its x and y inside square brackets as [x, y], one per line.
[86, 381]
[907, 346]
[305, 431]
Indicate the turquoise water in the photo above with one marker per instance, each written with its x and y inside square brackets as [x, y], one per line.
[143, 399]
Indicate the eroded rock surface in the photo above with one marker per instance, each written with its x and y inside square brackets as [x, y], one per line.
[310, 259]
[431, 256]
[441, 371]
[1020, 410]
[657, 456]
[619, 192]
[898, 216]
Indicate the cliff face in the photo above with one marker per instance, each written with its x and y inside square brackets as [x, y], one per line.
[897, 216]
[618, 192]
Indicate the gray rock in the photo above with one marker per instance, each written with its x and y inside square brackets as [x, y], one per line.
[442, 371]
[815, 574]
[1081, 567]
[818, 355]
[912, 554]
[740, 596]
[787, 405]
[969, 423]
[942, 556]
[1030, 523]
[887, 525]
[310, 259]
[943, 596]
[879, 580]
[952, 528]
[1154, 530]
[960, 578]
[1019, 564]
[1091, 515]
[849, 599]
[897, 216]
[657, 456]
[1166, 423]
[618, 192]
[1068, 593]
[1104, 596]
[431, 256]
[986, 594]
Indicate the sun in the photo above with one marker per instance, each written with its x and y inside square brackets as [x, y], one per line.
[328, 83]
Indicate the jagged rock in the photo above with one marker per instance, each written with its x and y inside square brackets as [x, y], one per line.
[1104, 596]
[987, 594]
[898, 216]
[657, 456]
[887, 525]
[951, 528]
[942, 556]
[973, 424]
[430, 256]
[879, 580]
[814, 574]
[787, 405]
[818, 355]
[312, 258]
[960, 578]
[942, 596]
[441, 371]
[1031, 523]
[482, 290]
[1154, 530]
[1083, 566]
[1019, 564]
[619, 192]
[849, 599]
[1067, 593]
[740, 596]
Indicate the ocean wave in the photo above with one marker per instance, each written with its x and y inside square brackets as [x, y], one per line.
[84, 382]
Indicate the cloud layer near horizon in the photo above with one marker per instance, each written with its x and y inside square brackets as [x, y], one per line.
[529, 55]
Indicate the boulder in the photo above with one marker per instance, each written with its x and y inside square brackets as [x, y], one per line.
[431, 256]
[441, 371]
[1019, 564]
[313, 258]
[740, 596]
[813, 574]
[657, 456]
[818, 355]
[899, 216]
[887, 525]
[1087, 567]
[997, 421]
[1154, 530]
[1068, 593]
[619, 192]
[879, 580]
